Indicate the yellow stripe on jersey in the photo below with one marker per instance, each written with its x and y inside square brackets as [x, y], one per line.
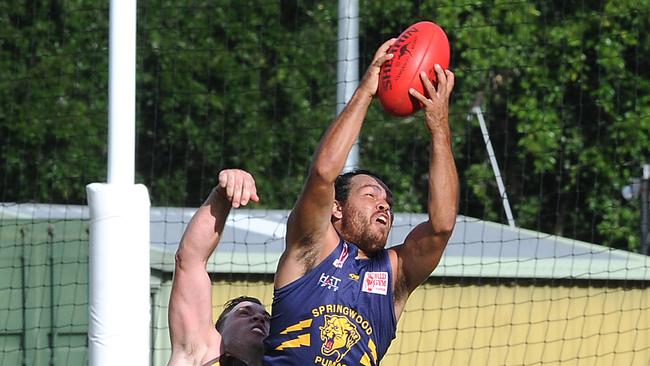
[296, 327]
[365, 360]
[302, 340]
[373, 349]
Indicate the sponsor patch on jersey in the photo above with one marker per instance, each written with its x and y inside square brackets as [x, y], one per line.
[375, 283]
[329, 281]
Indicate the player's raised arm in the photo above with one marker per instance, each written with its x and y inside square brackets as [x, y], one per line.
[193, 335]
[424, 245]
[310, 235]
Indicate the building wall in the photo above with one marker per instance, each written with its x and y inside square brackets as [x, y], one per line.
[161, 345]
[43, 294]
[44, 311]
[497, 324]
[471, 323]
[224, 288]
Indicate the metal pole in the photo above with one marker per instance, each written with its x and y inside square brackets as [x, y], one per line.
[347, 70]
[23, 285]
[645, 210]
[53, 301]
[495, 166]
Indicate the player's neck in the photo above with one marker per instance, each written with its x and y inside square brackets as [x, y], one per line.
[227, 360]
[361, 255]
[248, 357]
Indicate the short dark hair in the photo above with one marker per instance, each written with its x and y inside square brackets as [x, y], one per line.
[229, 305]
[342, 184]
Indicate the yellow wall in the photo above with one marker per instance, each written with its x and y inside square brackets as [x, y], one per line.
[523, 325]
[508, 325]
[224, 290]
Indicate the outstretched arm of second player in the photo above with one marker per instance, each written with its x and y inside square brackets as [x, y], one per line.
[424, 245]
[192, 331]
[309, 222]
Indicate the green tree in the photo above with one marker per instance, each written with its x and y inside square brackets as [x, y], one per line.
[53, 65]
[564, 87]
[224, 86]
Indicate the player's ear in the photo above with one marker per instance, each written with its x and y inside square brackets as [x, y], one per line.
[336, 210]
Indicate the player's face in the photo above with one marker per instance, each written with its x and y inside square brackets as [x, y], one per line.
[247, 323]
[367, 214]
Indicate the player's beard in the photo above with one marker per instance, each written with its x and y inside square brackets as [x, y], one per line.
[359, 230]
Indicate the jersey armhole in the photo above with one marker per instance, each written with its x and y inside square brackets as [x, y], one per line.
[330, 258]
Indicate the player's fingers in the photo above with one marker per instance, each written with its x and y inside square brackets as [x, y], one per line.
[238, 188]
[381, 51]
[254, 196]
[442, 80]
[245, 197]
[246, 190]
[230, 185]
[451, 81]
[223, 178]
[417, 95]
[380, 61]
[428, 86]
[249, 192]
[253, 189]
[384, 47]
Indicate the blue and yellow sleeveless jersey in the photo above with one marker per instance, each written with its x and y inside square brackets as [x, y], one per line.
[340, 313]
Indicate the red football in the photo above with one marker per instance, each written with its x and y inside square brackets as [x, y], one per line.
[418, 48]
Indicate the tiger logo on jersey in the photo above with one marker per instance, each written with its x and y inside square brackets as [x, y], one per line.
[338, 335]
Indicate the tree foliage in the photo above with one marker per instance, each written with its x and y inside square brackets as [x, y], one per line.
[564, 86]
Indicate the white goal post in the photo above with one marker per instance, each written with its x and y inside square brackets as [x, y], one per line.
[119, 266]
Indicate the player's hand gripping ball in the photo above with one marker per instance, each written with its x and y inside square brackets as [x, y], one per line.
[418, 48]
